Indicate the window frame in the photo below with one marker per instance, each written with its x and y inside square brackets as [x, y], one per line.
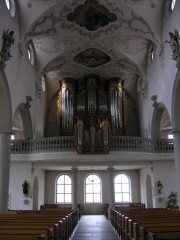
[64, 193]
[93, 184]
[122, 192]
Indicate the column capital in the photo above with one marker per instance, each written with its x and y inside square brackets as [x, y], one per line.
[110, 168]
[9, 132]
[175, 131]
[74, 169]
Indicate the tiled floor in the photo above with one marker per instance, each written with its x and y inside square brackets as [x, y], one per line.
[94, 227]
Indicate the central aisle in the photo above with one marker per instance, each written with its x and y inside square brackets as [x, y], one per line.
[94, 227]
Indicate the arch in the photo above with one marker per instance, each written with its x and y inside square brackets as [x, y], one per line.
[35, 193]
[5, 105]
[161, 123]
[22, 112]
[149, 192]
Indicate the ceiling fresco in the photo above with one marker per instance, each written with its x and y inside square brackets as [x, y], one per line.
[92, 58]
[91, 15]
[109, 38]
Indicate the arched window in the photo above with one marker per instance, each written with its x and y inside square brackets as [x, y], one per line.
[64, 189]
[122, 188]
[93, 189]
[151, 53]
[169, 7]
[173, 3]
[30, 52]
[7, 4]
[10, 4]
[43, 84]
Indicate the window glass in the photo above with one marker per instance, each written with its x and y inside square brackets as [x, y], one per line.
[7, 4]
[152, 53]
[12, 137]
[173, 2]
[64, 189]
[43, 84]
[30, 52]
[122, 188]
[93, 189]
[170, 136]
[10, 4]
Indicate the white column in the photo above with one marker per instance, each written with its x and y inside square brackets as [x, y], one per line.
[176, 135]
[111, 187]
[74, 188]
[5, 139]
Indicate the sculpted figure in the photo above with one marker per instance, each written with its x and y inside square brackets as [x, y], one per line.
[8, 40]
[174, 43]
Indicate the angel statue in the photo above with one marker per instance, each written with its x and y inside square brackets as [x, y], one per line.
[8, 40]
[175, 46]
[174, 42]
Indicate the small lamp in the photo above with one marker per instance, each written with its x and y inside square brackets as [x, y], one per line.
[159, 186]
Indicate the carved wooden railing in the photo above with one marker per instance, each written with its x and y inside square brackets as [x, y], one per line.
[62, 144]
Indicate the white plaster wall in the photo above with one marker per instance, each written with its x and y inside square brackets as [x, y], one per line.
[20, 74]
[40, 174]
[144, 172]
[40, 118]
[163, 171]
[51, 177]
[19, 172]
[161, 72]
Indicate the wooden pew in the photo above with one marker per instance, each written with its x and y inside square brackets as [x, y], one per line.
[151, 221]
[24, 232]
[23, 237]
[54, 224]
[164, 236]
[129, 223]
[156, 229]
[134, 215]
[127, 213]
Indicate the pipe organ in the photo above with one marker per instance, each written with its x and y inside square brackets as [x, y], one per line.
[92, 113]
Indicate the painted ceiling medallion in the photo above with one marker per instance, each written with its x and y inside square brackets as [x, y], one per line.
[91, 15]
[92, 58]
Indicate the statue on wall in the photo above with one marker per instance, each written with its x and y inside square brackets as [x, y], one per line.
[25, 187]
[174, 42]
[154, 99]
[8, 40]
[175, 46]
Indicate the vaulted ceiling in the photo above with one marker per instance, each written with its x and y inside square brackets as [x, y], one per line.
[109, 38]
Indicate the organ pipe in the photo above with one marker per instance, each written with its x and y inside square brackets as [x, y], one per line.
[115, 96]
[66, 105]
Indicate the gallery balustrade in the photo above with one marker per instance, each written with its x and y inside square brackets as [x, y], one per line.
[69, 143]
